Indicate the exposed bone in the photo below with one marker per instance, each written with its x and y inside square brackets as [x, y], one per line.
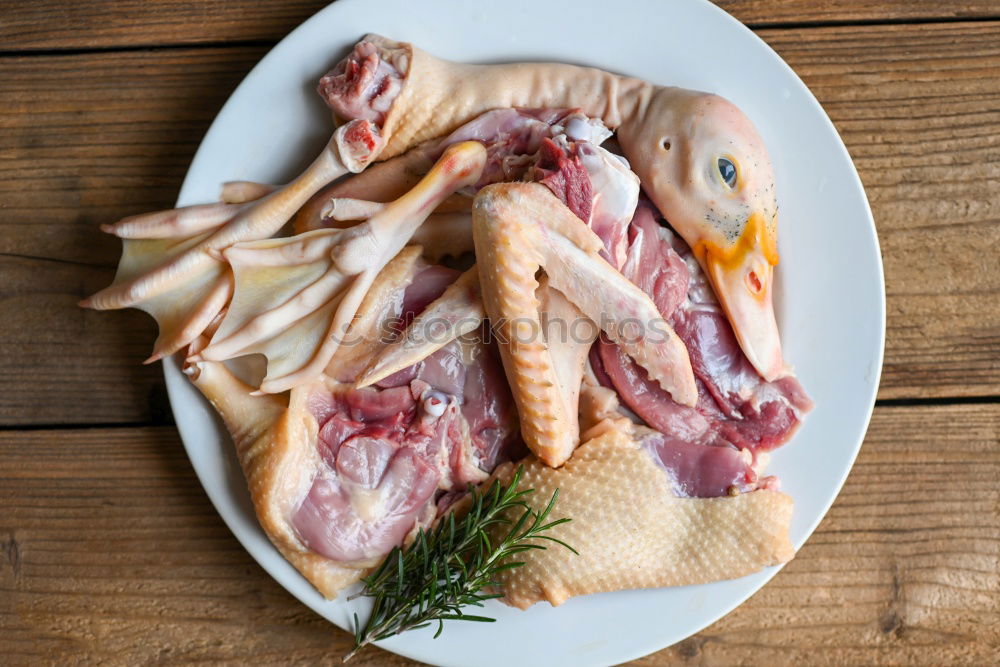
[246, 416]
[439, 96]
[172, 268]
[296, 298]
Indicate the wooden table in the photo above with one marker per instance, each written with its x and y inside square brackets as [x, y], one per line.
[109, 549]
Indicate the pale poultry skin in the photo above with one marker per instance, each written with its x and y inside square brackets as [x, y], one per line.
[672, 137]
[221, 287]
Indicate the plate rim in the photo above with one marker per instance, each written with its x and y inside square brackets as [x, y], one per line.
[173, 376]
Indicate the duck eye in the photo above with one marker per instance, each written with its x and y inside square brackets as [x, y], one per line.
[728, 171]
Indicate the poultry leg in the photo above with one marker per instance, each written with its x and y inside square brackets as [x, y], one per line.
[187, 263]
[296, 298]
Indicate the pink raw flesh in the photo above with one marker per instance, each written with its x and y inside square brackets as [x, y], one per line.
[361, 86]
[384, 455]
[566, 177]
[486, 404]
[365, 413]
[519, 146]
[736, 408]
[425, 287]
[488, 408]
[645, 397]
[511, 137]
[442, 370]
[698, 471]
[370, 405]
[363, 461]
[759, 426]
[653, 265]
[329, 523]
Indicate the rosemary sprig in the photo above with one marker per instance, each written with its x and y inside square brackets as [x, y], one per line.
[453, 564]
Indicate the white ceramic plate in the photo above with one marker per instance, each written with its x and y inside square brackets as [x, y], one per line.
[830, 299]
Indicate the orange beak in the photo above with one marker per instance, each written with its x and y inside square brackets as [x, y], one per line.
[742, 276]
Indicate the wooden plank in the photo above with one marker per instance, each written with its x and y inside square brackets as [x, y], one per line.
[87, 140]
[919, 110]
[905, 567]
[771, 12]
[65, 365]
[56, 24]
[92, 138]
[110, 552]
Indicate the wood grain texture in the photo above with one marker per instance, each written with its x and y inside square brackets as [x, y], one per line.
[919, 110]
[87, 140]
[109, 549]
[56, 24]
[91, 138]
[110, 552]
[798, 12]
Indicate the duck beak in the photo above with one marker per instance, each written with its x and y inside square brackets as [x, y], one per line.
[742, 276]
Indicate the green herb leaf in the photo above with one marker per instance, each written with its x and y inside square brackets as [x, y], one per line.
[451, 565]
